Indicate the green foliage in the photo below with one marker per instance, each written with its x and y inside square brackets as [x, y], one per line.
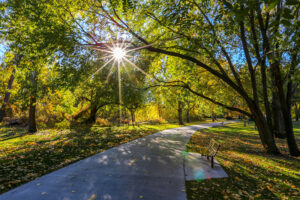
[65, 124]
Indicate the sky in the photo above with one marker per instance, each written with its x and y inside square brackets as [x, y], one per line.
[2, 51]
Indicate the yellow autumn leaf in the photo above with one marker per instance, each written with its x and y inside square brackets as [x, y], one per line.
[93, 197]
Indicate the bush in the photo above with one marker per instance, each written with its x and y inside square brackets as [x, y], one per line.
[157, 121]
[63, 124]
[102, 122]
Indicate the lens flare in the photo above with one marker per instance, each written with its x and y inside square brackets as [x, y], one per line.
[118, 53]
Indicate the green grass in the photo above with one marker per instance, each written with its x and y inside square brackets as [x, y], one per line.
[24, 157]
[253, 174]
[204, 121]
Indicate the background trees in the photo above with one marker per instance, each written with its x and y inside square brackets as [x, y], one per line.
[240, 56]
[249, 46]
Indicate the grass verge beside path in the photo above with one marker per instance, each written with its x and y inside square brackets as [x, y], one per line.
[253, 174]
[24, 157]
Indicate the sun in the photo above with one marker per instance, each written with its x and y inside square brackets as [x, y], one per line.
[118, 53]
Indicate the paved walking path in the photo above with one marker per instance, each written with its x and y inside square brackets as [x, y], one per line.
[149, 168]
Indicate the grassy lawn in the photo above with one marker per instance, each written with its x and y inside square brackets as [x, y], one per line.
[252, 173]
[204, 121]
[24, 157]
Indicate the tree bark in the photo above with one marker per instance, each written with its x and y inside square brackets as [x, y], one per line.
[32, 107]
[132, 116]
[188, 116]
[93, 114]
[7, 95]
[276, 75]
[288, 122]
[293, 149]
[296, 113]
[265, 133]
[277, 118]
[31, 120]
[180, 121]
[188, 112]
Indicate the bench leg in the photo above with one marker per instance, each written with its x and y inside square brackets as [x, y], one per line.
[212, 162]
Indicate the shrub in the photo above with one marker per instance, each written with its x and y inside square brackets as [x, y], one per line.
[63, 124]
[102, 122]
[157, 121]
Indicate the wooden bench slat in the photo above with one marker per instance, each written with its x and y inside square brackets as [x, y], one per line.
[212, 150]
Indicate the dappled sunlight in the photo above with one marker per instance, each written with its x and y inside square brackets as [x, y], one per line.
[252, 172]
[48, 150]
[156, 160]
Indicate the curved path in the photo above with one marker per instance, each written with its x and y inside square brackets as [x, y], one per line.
[146, 168]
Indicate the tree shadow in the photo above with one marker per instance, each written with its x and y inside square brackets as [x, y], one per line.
[8, 132]
[46, 155]
[252, 172]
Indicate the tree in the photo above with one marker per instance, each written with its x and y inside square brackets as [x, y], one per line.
[37, 31]
[264, 33]
[9, 87]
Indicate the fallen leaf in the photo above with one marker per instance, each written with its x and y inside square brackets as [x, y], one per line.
[132, 161]
[93, 197]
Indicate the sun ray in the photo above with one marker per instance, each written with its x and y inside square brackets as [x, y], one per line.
[102, 50]
[124, 44]
[139, 69]
[103, 66]
[118, 53]
[111, 70]
[127, 71]
[128, 56]
[108, 56]
[120, 91]
[142, 47]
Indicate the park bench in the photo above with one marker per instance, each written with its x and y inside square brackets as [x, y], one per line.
[211, 151]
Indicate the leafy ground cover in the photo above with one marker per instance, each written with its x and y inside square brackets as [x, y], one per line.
[252, 173]
[24, 157]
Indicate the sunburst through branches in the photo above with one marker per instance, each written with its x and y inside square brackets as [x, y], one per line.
[117, 55]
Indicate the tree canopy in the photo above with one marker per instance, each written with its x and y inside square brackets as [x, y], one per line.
[238, 56]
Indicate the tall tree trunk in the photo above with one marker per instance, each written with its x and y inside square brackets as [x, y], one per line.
[288, 122]
[265, 133]
[159, 110]
[276, 76]
[188, 112]
[32, 107]
[31, 120]
[180, 121]
[293, 149]
[93, 114]
[132, 116]
[7, 95]
[277, 118]
[296, 112]
[188, 116]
